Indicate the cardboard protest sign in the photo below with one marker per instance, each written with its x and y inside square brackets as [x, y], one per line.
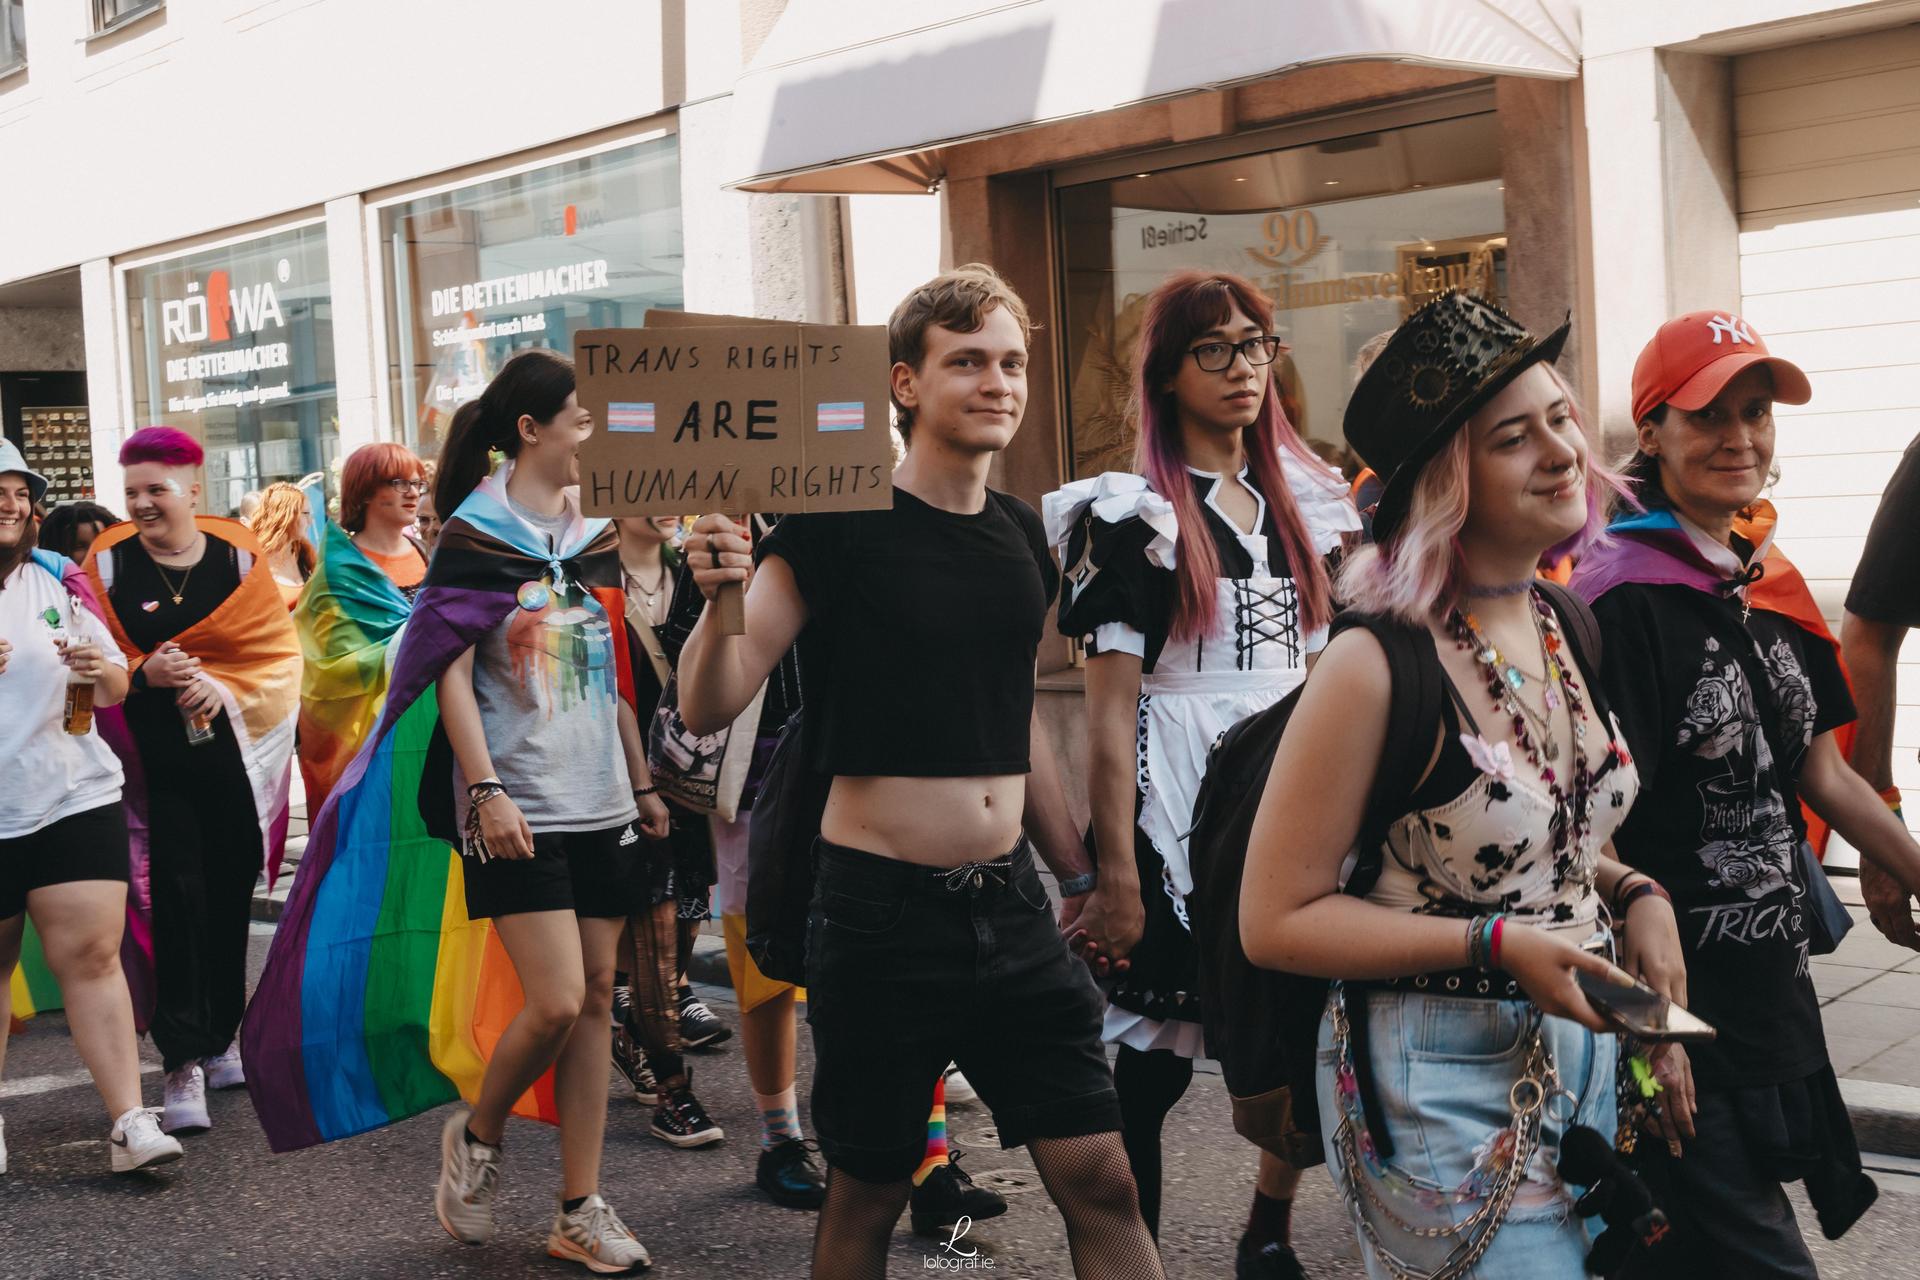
[719, 413]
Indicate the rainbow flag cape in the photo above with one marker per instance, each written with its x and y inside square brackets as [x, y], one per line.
[249, 653]
[347, 618]
[380, 998]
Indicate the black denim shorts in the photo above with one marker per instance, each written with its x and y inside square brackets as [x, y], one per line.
[909, 968]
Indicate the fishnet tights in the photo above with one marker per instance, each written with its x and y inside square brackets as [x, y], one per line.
[1093, 1188]
[856, 1223]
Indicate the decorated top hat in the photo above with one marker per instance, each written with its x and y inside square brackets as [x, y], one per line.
[1446, 361]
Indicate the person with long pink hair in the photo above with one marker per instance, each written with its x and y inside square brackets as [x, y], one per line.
[1199, 588]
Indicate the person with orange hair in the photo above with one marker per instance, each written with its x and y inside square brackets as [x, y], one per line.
[370, 569]
[280, 521]
[381, 488]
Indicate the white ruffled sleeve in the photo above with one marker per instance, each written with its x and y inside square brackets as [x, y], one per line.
[1321, 497]
[1113, 497]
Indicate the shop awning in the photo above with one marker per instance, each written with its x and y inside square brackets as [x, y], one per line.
[858, 95]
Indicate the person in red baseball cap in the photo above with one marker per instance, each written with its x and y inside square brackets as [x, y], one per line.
[1731, 704]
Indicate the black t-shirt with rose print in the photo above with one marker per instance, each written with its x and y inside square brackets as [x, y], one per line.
[1718, 818]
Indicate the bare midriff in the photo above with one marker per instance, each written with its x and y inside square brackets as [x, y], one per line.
[935, 822]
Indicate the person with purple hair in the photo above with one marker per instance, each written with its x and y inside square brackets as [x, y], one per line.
[1199, 590]
[191, 602]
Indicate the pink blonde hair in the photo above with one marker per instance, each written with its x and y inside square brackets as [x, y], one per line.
[1417, 570]
[1186, 305]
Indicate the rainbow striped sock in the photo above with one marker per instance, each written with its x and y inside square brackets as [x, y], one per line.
[936, 1135]
[779, 1117]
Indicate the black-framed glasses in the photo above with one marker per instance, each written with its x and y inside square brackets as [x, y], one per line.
[406, 486]
[1217, 357]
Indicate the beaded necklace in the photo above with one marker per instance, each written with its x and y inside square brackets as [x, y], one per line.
[1572, 802]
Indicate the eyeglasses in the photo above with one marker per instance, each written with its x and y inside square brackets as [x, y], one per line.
[1217, 357]
[406, 486]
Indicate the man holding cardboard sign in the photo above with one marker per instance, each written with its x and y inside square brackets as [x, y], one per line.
[918, 625]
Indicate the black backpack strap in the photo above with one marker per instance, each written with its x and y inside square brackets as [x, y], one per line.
[1577, 620]
[1414, 710]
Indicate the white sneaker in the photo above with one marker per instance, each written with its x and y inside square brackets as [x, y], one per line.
[136, 1142]
[186, 1109]
[594, 1237]
[469, 1175]
[959, 1091]
[225, 1071]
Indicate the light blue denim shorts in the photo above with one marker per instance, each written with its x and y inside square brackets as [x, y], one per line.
[1443, 1068]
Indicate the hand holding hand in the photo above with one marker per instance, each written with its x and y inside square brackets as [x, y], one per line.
[1106, 926]
[171, 667]
[718, 551]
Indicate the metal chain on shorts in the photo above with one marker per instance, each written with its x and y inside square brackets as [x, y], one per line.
[1528, 1097]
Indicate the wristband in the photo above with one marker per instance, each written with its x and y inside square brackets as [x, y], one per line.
[1891, 798]
[1644, 887]
[1493, 947]
[644, 791]
[481, 792]
[485, 782]
[1074, 886]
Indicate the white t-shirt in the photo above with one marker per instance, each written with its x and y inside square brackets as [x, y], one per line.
[50, 773]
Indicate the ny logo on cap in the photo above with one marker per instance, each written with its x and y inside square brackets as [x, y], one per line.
[1733, 326]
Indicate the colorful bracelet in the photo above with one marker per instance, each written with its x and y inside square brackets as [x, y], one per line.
[1891, 798]
[1493, 945]
[1637, 889]
[1481, 932]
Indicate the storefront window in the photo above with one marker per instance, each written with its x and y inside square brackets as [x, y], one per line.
[1347, 236]
[235, 345]
[478, 273]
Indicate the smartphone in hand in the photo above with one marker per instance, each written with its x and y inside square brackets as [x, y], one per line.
[1641, 1012]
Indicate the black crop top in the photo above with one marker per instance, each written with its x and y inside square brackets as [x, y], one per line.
[921, 631]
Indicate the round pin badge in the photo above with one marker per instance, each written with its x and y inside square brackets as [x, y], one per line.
[533, 596]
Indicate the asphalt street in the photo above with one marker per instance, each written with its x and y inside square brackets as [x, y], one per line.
[364, 1207]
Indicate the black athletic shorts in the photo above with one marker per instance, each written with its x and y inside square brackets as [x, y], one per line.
[910, 967]
[590, 873]
[91, 845]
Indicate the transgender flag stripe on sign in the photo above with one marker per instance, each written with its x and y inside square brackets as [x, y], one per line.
[630, 417]
[843, 415]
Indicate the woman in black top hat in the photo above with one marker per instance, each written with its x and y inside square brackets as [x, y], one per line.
[1457, 1051]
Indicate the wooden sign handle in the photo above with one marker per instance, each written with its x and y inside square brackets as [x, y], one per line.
[730, 605]
[730, 602]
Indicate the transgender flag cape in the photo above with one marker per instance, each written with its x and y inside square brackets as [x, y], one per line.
[380, 998]
[347, 618]
[33, 988]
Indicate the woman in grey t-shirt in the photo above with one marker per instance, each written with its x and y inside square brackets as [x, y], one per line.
[558, 794]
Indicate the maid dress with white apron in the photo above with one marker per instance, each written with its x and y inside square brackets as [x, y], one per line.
[1119, 544]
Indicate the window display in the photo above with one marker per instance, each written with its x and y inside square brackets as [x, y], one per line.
[235, 345]
[1347, 236]
[480, 272]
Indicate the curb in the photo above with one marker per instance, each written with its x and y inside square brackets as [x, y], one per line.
[1886, 1117]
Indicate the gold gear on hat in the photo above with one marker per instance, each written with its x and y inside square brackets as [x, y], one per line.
[1429, 385]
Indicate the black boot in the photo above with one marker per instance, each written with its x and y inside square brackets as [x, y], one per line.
[949, 1195]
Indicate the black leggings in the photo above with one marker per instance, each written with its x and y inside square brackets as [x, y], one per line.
[1149, 1084]
[205, 857]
